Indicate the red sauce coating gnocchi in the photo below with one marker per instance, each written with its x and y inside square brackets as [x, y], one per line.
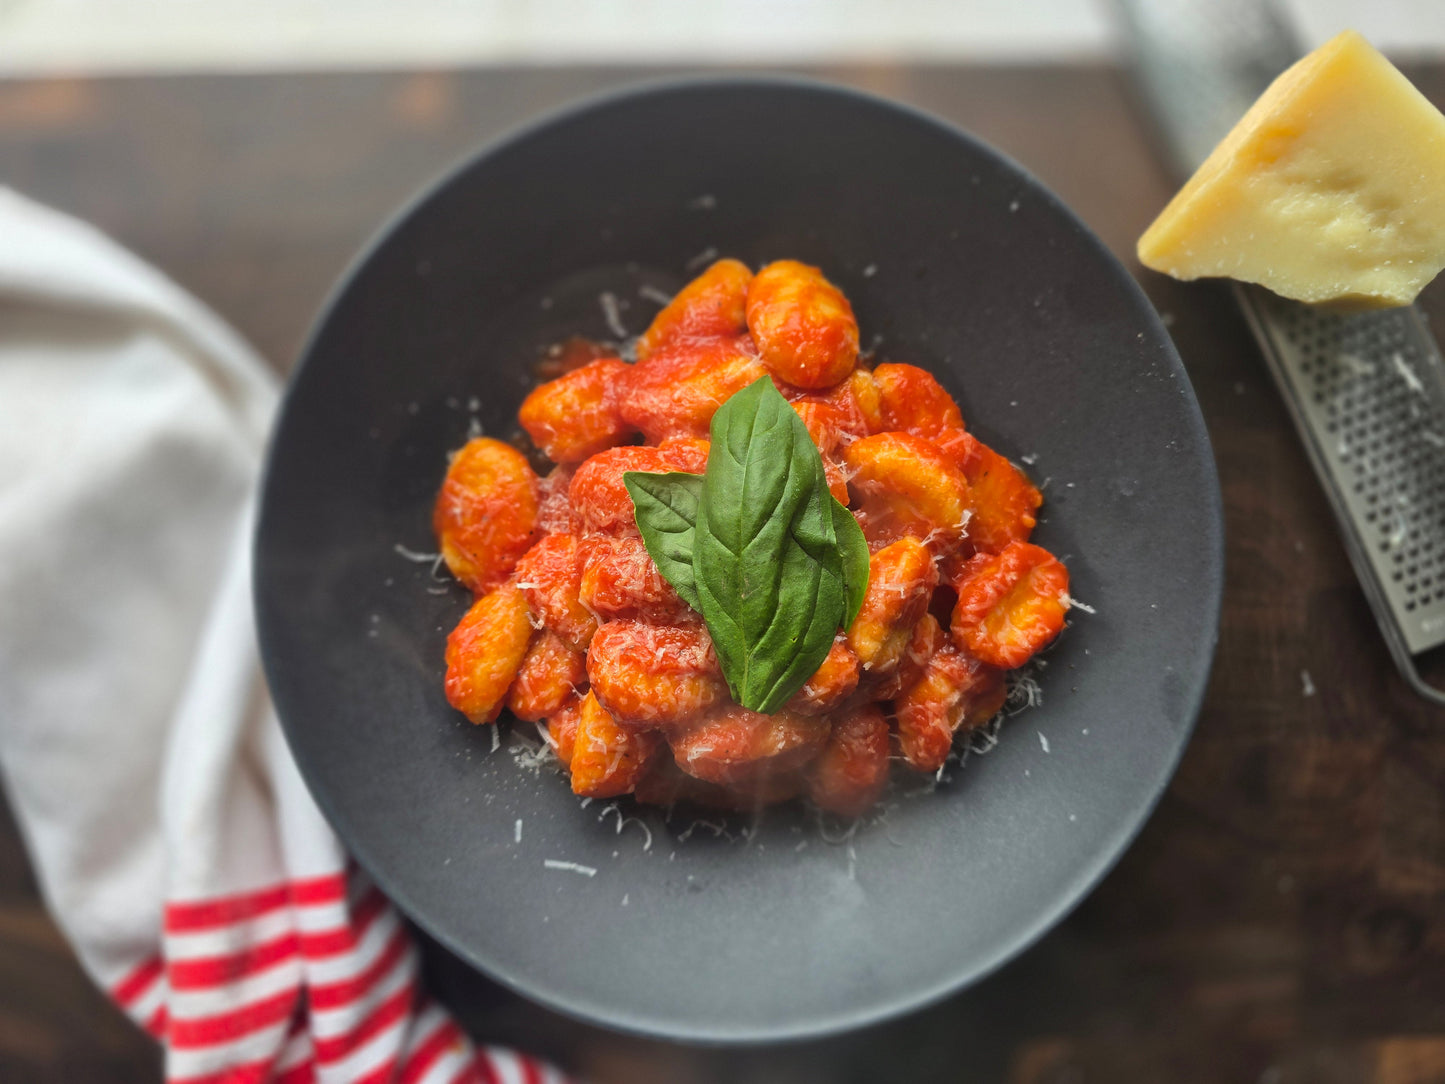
[562, 729]
[574, 417]
[856, 401]
[549, 676]
[620, 581]
[735, 745]
[676, 391]
[906, 488]
[711, 306]
[573, 625]
[803, 325]
[654, 675]
[912, 401]
[927, 637]
[1004, 501]
[599, 496]
[607, 759]
[554, 502]
[550, 576]
[954, 692]
[485, 651]
[852, 770]
[1010, 604]
[831, 684]
[901, 579]
[485, 516]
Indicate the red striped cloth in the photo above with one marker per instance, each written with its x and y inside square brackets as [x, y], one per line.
[170, 831]
[305, 981]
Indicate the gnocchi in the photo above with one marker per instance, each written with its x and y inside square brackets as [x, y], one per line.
[574, 627]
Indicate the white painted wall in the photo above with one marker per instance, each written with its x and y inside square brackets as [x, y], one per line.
[87, 36]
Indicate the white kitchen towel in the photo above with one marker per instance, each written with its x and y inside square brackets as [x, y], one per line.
[173, 838]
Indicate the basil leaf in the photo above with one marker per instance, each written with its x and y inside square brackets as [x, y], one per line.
[854, 549]
[666, 512]
[770, 576]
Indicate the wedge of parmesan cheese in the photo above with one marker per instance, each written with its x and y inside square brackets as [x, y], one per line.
[1330, 189]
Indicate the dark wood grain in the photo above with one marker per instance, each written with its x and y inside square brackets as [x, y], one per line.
[1282, 916]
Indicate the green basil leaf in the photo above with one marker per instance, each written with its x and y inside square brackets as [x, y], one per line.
[854, 550]
[770, 576]
[666, 513]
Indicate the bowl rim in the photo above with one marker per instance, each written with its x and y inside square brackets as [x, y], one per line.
[1106, 856]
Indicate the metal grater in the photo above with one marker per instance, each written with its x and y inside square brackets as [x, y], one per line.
[1367, 391]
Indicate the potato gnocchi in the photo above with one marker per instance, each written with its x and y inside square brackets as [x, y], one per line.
[575, 628]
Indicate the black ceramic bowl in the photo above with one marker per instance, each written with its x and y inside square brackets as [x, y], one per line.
[958, 261]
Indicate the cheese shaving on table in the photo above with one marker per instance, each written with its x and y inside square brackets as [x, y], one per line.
[569, 867]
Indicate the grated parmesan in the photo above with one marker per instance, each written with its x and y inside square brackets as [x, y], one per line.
[612, 313]
[653, 294]
[532, 757]
[1407, 373]
[570, 867]
[718, 829]
[414, 556]
[706, 256]
[987, 735]
[623, 821]
[1357, 365]
[1023, 692]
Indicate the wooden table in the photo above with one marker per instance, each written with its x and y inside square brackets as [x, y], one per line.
[1282, 916]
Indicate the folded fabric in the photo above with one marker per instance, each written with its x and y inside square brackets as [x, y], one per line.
[173, 838]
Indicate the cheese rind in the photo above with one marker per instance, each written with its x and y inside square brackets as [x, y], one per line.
[1330, 189]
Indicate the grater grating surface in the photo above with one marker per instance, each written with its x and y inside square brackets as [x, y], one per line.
[1369, 396]
[1366, 391]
